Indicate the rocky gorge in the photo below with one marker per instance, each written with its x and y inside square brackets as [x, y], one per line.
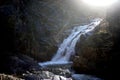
[32, 30]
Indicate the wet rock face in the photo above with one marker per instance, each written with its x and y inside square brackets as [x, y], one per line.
[99, 54]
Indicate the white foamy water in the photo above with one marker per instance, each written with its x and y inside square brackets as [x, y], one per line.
[67, 48]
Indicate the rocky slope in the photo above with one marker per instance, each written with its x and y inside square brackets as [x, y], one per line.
[98, 54]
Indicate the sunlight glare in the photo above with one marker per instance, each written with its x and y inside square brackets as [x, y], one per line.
[100, 3]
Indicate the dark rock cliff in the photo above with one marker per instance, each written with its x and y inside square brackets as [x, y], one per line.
[99, 53]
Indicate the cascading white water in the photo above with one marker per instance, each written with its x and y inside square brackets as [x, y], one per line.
[67, 48]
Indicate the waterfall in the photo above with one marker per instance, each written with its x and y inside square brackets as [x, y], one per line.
[67, 48]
